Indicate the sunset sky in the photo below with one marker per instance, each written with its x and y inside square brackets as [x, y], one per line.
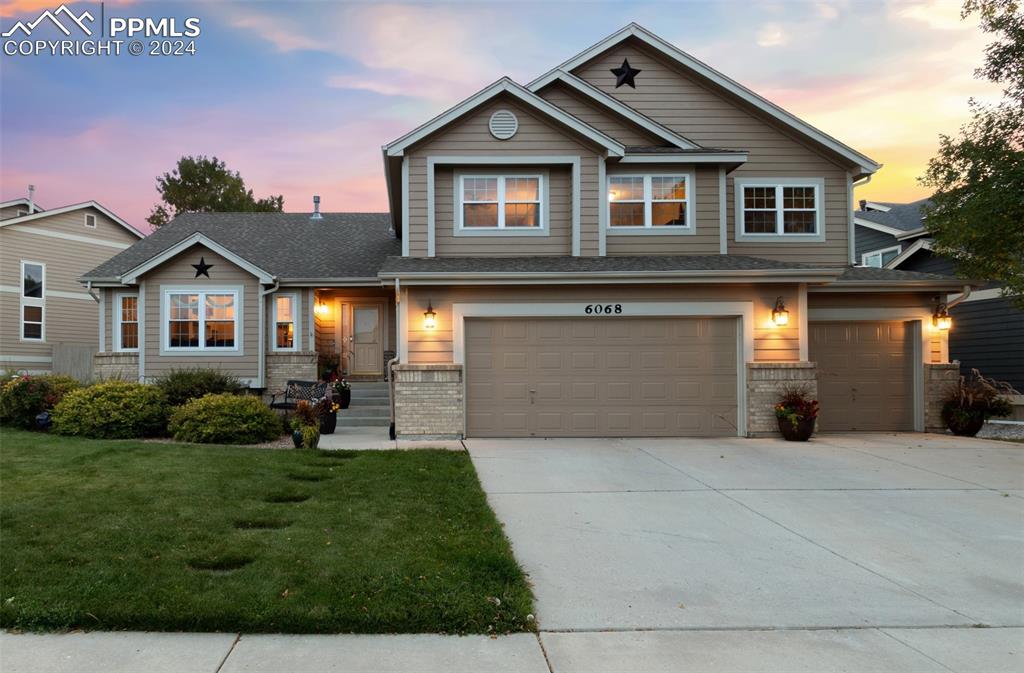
[299, 96]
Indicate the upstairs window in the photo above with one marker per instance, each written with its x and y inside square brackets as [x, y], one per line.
[202, 320]
[500, 202]
[879, 258]
[90, 220]
[33, 301]
[787, 210]
[649, 202]
[127, 327]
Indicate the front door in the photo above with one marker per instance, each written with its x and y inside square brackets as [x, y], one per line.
[366, 354]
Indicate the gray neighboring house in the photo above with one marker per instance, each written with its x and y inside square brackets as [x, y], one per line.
[988, 331]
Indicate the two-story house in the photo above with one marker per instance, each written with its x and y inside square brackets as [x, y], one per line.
[633, 244]
[48, 323]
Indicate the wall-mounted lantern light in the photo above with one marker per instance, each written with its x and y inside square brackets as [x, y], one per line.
[941, 318]
[321, 308]
[780, 316]
[429, 317]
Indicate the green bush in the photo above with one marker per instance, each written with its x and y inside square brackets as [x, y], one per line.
[182, 385]
[112, 410]
[225, 419]
[23, 397]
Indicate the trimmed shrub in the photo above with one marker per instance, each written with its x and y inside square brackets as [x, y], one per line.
[225, 419]
[182, 385]
[24, 397]
[112, 410]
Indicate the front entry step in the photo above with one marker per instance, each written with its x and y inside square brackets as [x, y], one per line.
[370, 406]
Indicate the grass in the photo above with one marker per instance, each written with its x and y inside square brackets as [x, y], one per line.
[168, 537]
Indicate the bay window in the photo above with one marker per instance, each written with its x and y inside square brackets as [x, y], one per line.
[779, 209]
[201, 320]
[660, 203]
[126, 323]
[499, 203]
[32, 306]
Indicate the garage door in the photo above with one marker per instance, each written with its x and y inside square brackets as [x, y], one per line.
[865, 375]
[601, 377]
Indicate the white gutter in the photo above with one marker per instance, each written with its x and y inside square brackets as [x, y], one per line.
[261, 348]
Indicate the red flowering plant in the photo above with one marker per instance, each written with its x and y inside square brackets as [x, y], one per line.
[796, 404]
[24, 397]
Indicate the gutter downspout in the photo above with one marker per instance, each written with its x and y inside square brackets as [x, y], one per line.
[962, 297]
[852, 235]
[262, 343]
[393, 361]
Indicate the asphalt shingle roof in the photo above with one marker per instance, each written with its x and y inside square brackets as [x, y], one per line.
[286, 245]
[552, 264]
[902, 216]
[874, 274]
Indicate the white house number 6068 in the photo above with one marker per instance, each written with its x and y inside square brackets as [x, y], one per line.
[602, 309]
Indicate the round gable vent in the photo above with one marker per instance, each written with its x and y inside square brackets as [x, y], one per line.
[503, 124]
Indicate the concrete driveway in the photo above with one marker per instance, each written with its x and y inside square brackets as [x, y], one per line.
[851, 552]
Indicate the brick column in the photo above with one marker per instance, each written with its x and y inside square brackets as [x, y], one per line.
[765, 383]
[282, 366]
[428, 401]
[115, 366]
[939, 379]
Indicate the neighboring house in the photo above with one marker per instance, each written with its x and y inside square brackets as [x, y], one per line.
[988, 330]
[47, 321]
[618, 248]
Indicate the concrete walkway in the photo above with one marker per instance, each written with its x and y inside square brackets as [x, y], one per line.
[864, 553]
[373, 438]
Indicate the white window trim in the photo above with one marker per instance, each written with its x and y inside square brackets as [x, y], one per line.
[296, 314]
[202, 290]
[94, 220]
[881, 252]
[459, 177]
[778, 183]
[31, 301]
[648, 228]
[22, 213]
[117, 348]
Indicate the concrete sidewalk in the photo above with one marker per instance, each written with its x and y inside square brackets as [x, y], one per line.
[964, 650]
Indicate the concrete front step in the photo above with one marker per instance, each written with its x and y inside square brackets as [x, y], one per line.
[375, 421]
[374, 411]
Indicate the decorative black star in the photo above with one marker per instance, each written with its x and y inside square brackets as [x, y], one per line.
[202, 268]
[625, 74]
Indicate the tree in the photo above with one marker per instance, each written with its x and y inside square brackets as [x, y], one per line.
[203, 185]
[977, 214]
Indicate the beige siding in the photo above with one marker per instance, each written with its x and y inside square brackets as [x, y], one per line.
[706, 239]
[671, 96]
[179, 271]
[435, 346]
[12, 211]
[937, 340]
[67, 320]
[598, 116]
[557, 242]
[470, 136]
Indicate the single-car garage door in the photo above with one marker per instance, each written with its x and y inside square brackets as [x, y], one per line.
[865, 375]
[601, 377]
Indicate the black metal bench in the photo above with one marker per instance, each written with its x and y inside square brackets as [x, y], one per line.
[297, 391]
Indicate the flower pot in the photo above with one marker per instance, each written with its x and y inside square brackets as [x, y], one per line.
[310, 437]
[800, 432]
[297, 438]
[343, 397]
[328, 422]
[963, 423]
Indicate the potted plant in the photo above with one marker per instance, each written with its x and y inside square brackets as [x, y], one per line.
[328, 417]
[796, 411]
[973, 401]
[306, 425]
[327, 365]
[342, 393]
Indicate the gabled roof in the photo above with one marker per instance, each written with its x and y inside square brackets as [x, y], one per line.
[707, 72]
[912, 249]
[278, 246]
[67, 209]
[35, 208]
[892, 218]
[616, 106]
[505, 85]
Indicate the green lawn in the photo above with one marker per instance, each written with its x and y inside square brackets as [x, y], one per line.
[136, 535]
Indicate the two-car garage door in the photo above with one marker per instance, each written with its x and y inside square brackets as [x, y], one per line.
[601, 377]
